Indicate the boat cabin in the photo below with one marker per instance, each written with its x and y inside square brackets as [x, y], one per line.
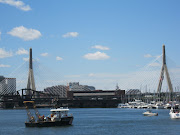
[57, 114]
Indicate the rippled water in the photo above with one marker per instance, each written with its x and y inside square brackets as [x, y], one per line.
[95, 121]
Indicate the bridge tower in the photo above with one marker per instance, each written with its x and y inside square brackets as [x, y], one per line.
[31, 82]
[164, 70]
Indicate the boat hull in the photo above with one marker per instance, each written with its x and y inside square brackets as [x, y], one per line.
[63, 122]
[154, 114]
[150, 114]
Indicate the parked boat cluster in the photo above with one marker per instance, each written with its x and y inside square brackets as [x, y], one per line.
[173, 106]
[152, 105]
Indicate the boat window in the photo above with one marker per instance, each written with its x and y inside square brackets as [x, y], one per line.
[53, 112]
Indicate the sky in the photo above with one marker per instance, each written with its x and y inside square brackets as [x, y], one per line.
[99, 43]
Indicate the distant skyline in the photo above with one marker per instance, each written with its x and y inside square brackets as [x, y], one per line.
[99, 43]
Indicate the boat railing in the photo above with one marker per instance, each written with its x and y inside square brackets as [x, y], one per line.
[66, 115]
[175, 110]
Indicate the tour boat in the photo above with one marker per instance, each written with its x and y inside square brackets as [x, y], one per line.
[149, 113]
[175, 112]
[58, 117]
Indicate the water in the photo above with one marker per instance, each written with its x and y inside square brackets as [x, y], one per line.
[94, 121]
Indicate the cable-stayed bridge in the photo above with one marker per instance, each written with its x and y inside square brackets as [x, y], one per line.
[160, 75]
[146, 79]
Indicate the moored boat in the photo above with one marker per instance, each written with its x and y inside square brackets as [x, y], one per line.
[158, 105]
[175, 112]
[149, 113]
[167, 106]
[126, 105]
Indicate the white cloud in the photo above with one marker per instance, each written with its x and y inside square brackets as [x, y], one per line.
[4, 53]
[96, 56]
[155, 64]
[105, 75]
[17, 3]
[148, 56]
[59, 58]
[26, 59]
[71, 34]
[72, 76]
[2, 65]
[25, 33]
[44, 54]
[100, 47]
[21, 51]
[91, 74]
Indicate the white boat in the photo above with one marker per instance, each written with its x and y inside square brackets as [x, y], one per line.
[137, 104]
[175, 112]
[167, 106]
[158, 105]
[126, 105]
[149, 113]
[144, 106]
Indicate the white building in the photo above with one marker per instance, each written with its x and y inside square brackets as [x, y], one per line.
[7, 85]
[59, 90]
[74, 86]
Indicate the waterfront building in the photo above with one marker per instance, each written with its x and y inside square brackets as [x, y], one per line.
[59, 90]
[97, 94]
[75, 86]
[7, 85]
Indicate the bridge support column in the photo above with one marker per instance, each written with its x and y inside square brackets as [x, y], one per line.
[164, 70]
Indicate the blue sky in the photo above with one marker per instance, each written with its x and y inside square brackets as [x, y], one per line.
[94, 42]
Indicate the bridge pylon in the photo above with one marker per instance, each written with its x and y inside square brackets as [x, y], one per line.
[164, 70]
[31, 82]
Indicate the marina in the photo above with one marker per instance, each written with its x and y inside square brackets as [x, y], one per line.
[139, 104]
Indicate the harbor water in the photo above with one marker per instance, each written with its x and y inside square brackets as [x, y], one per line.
[94, 121]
